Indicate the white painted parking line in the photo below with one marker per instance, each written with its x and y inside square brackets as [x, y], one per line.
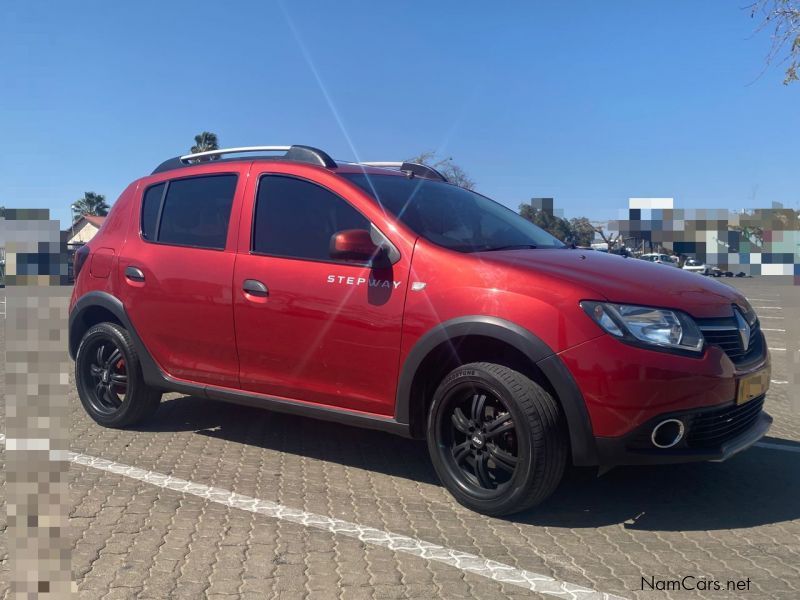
[784, 447]
[779, 330]
[778, 381]
[768, 307]
[762, 317]
[771, 349]
[464, 561]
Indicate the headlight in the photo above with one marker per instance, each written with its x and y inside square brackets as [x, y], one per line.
[660, 327]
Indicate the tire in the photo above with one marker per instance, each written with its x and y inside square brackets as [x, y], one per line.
[109, 378]
[507, 449]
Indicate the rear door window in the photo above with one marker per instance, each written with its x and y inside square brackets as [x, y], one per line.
[193, 212]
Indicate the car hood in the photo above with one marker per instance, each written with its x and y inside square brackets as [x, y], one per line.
[626, 280]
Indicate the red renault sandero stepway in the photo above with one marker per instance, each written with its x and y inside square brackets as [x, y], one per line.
[380, 295]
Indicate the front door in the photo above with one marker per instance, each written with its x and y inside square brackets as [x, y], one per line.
[321, 330]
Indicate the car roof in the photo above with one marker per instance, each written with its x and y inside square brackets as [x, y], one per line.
[342, 167]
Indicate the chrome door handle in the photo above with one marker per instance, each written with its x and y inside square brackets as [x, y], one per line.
[255, 288]
[134, 274]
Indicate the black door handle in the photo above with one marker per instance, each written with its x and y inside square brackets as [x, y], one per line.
[134, 274]
[255, 288]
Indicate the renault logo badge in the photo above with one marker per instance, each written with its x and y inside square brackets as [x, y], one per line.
[743, 327]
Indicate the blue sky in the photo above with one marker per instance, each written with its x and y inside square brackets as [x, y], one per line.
[590, 104]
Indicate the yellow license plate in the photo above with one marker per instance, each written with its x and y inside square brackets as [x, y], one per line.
[752, 386]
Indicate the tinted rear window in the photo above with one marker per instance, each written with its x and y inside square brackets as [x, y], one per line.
[196, 212]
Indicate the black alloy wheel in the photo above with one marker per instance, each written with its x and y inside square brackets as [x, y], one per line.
[105, 376]
[480, 435]
[109, 378]
[497, 439]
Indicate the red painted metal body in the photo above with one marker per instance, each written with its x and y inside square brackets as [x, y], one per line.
[338, 335]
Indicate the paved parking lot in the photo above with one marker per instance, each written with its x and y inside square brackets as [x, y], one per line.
[285, 507]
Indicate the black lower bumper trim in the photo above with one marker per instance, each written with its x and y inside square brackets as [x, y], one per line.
[616, 451]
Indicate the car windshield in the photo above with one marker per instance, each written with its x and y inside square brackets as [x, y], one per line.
[451, 216]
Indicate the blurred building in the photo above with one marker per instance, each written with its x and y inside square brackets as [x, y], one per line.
[84, 229]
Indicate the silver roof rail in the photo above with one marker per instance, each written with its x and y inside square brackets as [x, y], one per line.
[240, 150]
[297, 153]
[412, 169]
[384, 164]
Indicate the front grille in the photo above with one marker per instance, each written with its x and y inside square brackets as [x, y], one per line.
[712, 428]
[731, 342]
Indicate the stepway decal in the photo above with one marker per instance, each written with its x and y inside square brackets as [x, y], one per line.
[377, 283]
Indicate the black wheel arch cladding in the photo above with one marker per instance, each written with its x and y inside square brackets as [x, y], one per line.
[568, 394]
[78, 327]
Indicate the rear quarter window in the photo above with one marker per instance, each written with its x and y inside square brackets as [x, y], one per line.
[150, 206]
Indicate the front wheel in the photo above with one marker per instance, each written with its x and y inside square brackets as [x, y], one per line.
[497, 440]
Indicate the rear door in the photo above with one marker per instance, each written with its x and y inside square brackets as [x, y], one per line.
[326, 331]
[175, 273]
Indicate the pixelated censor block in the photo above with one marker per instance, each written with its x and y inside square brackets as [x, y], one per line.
[36, 418]
[758, 241]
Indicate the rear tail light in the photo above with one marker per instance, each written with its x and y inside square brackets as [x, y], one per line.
[81, 254]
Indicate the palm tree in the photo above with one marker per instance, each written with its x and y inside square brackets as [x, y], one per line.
[203, 143]
[90, 204]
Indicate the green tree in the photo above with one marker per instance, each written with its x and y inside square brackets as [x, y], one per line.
[782, 19]
[90, 204]
[203, 142]
[555, 226]
[582, 231]
[454, 173]
[578, 231]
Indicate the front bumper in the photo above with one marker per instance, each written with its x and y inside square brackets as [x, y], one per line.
[624, 386]
[713, 434]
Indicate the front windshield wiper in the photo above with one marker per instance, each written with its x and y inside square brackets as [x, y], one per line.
[511, 247]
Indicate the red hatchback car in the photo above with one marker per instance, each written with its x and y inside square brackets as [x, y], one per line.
[380, 295]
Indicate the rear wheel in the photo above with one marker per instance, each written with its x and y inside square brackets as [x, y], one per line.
[109, 378]
[498, 440]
